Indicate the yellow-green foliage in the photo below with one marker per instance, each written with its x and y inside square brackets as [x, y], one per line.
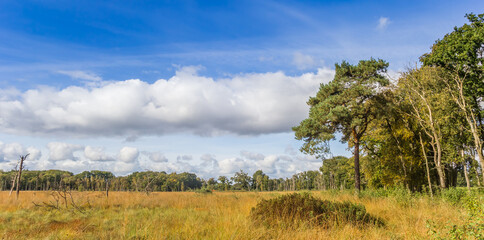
[188, 215]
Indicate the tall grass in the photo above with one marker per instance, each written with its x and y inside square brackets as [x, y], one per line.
[222, 215]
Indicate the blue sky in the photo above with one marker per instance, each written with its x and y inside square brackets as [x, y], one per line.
[210, 87]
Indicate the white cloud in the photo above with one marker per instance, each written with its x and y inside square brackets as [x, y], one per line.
[209, 161]
[268, 164]
[274, 165]
[184, 158]
[232, 165]
[82, 75]
[128, 154]
[72, 165]
[125, 167]
[302, 61]
[34, 154]
[157, 157]
[9, 93]
[252, 155]
[59, 151]
[383, 23]
[13, 151]
[96, 154]
[246, 104]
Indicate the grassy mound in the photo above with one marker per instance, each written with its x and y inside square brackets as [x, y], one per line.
[295, 209]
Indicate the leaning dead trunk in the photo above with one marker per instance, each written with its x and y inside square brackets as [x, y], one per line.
[22, 158]
[14, 180]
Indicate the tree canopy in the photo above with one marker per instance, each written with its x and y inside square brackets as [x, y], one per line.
[347, 104]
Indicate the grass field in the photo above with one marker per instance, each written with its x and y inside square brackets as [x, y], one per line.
[188, 215]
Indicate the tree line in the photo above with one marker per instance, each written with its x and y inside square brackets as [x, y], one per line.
[148, 181]
[422, 130]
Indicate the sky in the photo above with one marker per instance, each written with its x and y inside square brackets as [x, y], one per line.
[208, 87]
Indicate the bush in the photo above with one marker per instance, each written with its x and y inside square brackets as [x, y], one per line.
[203, 191]
[453, 195]
[295, 209]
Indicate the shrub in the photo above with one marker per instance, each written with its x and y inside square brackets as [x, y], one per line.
[453, 195]
[293, 210]
[203, 191]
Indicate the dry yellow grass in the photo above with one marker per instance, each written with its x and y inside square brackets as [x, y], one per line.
[222, 215]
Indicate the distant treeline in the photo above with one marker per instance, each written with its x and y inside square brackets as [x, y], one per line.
[336, 173]
[157, 181]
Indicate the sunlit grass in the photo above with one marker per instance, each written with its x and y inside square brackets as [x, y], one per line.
[187, 215]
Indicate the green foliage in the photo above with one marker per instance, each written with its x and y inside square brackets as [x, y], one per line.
[338, 172]
[453, 196]
[472, 228]
[346, 104]
[203, 191]
[461, 51]
[399, 195]
[294, 210]
[241, 180]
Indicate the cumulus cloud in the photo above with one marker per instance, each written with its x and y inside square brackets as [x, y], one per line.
[157, 157]
[96, 154]
[13, 151]
[125, 167]
[34, 154]
[184, 158]
[128, 154]
[231, 165]
[268, 163]
[59, 151]
[275, 165]
[246, 104]
[383, 23]
[209, 161]
[252, 155]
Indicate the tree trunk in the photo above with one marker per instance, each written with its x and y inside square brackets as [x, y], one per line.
[466, 174]
[470, 117]
[478, 180]
[22, 158]
[357, 164]
[438, 165]
[426, 165]
[13, 184]
[107, 188]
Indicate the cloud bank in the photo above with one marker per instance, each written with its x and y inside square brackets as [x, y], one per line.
[245, 104]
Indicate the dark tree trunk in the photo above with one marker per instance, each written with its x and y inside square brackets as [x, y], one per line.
[357, 164]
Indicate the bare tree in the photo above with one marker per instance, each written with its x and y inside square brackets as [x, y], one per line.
[19, 175]
[14, 179]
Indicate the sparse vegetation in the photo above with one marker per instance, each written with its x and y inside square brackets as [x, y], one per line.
[221, 215]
